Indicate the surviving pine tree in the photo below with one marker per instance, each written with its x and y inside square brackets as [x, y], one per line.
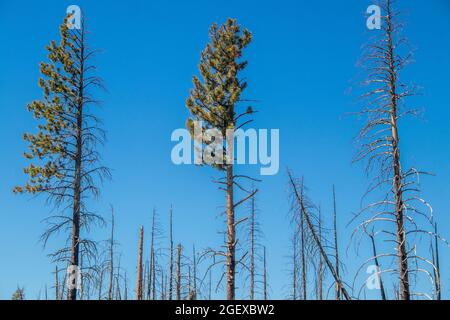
[214, 101]
[63, 152]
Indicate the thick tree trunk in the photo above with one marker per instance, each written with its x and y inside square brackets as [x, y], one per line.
[139, 268]
[231, 234]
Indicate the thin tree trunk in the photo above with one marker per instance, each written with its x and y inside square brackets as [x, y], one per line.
[194, 274]
[320, 274]
[252, 250]
[125, 285]
[189, 284]
[210, 285]
[336, 247]
[100, 284]
[179, 272]
[162, 284]
[152, 262]
[231, 234]
[437, 270]
[154, 278]
[265, 275]
[302, 255]
[56, 283]
[295, 270]
[111, 258]
[171, 256]
[139, 269]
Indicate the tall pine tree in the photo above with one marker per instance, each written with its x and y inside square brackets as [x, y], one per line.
[214, 101]
[63, 152]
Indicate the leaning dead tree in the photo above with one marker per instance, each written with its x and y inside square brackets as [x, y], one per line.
[306, 207]
[65, 161]
[304, 249]
[397, 214]
[213, 104]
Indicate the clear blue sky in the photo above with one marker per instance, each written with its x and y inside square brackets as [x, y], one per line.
[302, 68]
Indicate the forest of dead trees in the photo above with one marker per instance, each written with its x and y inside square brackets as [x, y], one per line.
[65, 168]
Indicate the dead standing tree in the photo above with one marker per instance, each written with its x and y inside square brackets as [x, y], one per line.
[254, 232]
[304, 249]
[111, 258]
[65, 160]
[214, 102]
[154, 268]
[399, 216]
[336, 246]
[171, 256]
[306, 207]
[139, 288]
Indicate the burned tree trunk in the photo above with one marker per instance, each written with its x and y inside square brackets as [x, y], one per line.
[194, 266]
[436, 269]
[303, 255]
[377, 264]
[398, 183]
[231, 234]
[320, 269]
[171, 258]
[139, 268]
[336, 247]
[151, 280]
[252, 250]
[301, 201]
[295, 266]
[178, 280]
[111, 259]
[265, 274]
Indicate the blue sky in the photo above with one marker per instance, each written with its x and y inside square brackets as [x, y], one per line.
[302, 70]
